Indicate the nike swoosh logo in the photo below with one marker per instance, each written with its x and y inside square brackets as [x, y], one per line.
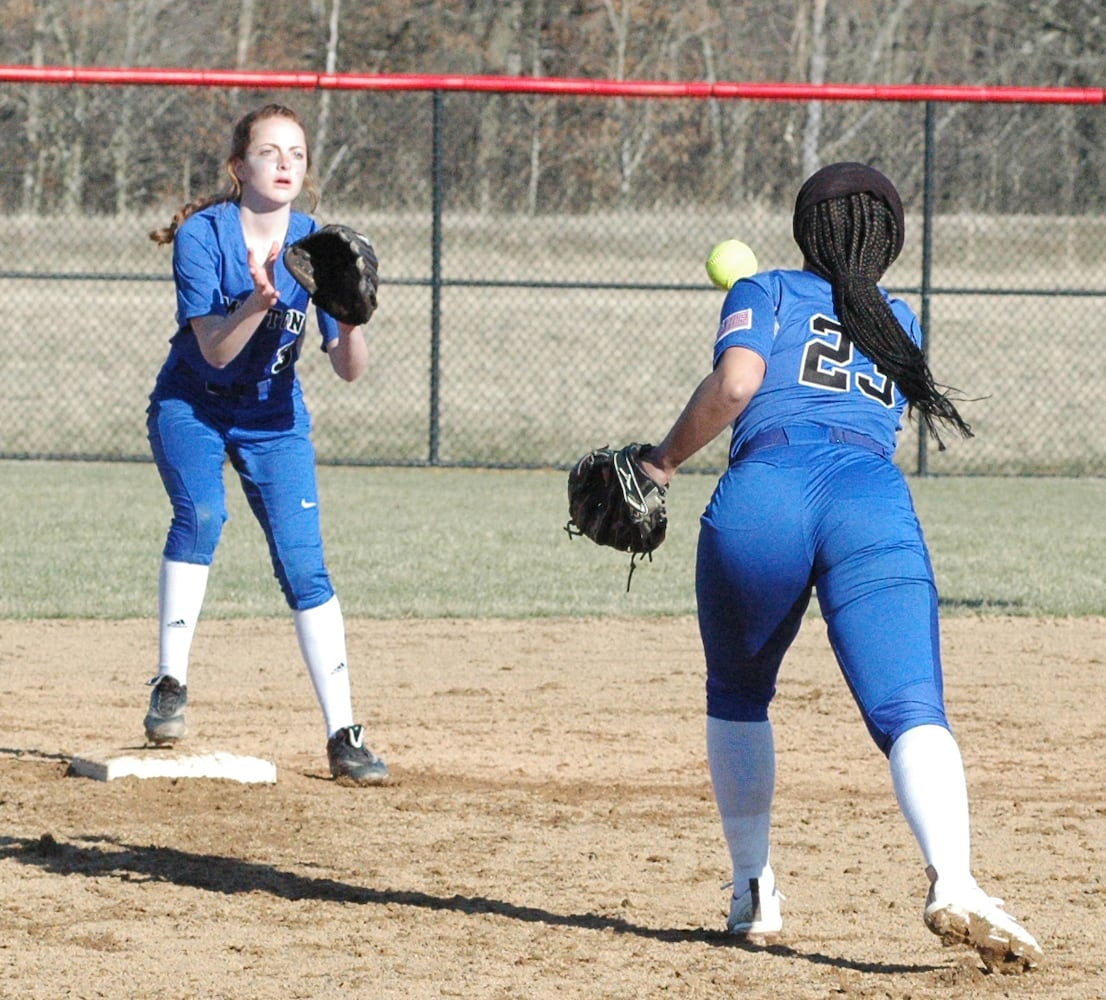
[308, 504]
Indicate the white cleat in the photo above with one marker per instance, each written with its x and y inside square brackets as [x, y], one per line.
[755, 912]
[971, 917]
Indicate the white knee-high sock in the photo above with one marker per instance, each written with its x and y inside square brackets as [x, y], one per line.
[742, 758]
[322, 636]
[181, 589]
[928, 775]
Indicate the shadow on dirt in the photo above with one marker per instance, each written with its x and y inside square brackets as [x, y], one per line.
[100, 857]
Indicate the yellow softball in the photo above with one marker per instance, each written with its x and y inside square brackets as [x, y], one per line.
[729, 261]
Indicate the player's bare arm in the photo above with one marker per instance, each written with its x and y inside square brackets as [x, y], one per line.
[717, 402]
[349, 355]
[221, 338]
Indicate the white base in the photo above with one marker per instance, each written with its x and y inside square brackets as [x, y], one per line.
[107, 765]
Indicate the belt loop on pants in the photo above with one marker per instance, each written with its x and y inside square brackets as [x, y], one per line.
[778, 437]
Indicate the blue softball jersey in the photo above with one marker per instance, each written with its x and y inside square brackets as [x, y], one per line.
[815, 376]
[212, 278]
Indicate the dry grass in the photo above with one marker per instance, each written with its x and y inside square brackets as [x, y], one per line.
[534, 374]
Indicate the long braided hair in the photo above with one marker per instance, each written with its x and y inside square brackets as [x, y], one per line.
[850, 240]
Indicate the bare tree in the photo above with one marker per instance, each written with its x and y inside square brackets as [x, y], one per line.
[35, 165]
[139, 29]
[498, 28]
[322, 130]
[539, 109]
[634, 124]
[71, 30]
[245, 33]
[816, 73]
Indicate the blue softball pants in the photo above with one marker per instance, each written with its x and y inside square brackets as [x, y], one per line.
[275, 461]
[837, 520]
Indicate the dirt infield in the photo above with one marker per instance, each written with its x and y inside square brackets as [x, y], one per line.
[550, 830]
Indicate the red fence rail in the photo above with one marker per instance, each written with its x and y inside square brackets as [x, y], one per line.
[703, 90]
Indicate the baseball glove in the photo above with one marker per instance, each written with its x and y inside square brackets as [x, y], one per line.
[338, 267]
[613, 502]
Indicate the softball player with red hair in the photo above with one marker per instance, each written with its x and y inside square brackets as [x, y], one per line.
[229, 390]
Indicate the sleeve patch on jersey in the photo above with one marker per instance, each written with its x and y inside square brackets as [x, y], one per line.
[740, 320]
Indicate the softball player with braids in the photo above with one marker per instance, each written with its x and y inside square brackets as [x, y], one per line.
[814, 369]
[229, 389]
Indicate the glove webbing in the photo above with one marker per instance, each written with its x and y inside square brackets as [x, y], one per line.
[635, 557]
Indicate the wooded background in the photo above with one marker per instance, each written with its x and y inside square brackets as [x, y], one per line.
[116, 150]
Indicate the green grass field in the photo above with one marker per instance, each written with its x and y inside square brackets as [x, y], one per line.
[83, 540]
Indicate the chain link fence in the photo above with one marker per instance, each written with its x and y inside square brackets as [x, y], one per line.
[522, 321]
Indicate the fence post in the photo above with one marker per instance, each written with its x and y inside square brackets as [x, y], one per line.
[927, 267]
[435, 279]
